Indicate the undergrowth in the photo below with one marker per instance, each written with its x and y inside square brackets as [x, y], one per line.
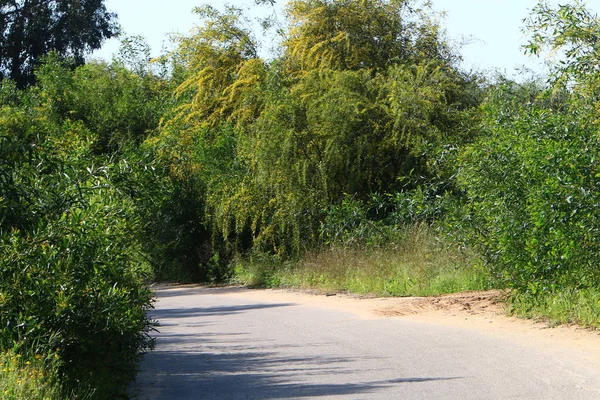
[415, 264]
[564, 306]
[26, 378]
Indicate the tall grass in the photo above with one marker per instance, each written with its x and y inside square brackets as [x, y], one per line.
[416, 263]
[562, 306]
[26, 379]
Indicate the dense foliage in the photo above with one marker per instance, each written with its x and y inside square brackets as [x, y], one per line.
[276, 142]
[360, 139]
[532, 183]
[72, 283]
[532, 178]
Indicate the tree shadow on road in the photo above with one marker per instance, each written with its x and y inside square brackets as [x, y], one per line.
[229, 366]
[221, 310]
[198, 358]
[174, 290]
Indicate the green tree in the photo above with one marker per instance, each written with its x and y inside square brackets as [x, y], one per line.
[71, 271]
[120, 108]
[350, 34]
[222, 71]
[532, 177]
[362, 99]
[30, 29]
[571, 32]
[531, 181]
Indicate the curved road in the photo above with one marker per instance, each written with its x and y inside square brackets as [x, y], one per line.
[221, 344]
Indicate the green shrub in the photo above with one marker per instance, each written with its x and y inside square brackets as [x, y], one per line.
[71, 280]
[72, 286]
[383, 218]
[120, 108]
[532, 183]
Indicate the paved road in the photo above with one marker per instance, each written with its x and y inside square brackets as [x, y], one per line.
[218, 344]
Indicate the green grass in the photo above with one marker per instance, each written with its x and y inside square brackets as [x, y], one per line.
[562, 306]
[416, 264]
[25, 379]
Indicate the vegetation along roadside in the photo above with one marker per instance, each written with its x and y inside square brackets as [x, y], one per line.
[357, 156]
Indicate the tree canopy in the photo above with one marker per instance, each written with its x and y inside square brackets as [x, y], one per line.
[361, 99]
[30, 29]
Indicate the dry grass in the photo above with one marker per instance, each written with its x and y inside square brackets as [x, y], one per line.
[416, 264]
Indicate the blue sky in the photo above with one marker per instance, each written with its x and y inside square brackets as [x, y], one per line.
[493, 27]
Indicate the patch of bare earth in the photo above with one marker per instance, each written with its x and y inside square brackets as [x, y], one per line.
[470, 303]
[483, 303]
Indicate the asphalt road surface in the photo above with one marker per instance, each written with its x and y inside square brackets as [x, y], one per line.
[221, 344]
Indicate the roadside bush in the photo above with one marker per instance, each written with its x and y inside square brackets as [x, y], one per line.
[349, 224]
[384, 218]
[71, 277]
[532, 183]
